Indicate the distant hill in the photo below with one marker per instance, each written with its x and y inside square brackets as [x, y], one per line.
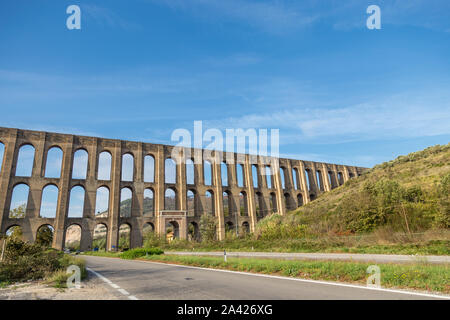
[410, 194]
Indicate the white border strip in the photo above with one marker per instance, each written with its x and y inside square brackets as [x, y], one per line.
[304, 280]
[115, 286]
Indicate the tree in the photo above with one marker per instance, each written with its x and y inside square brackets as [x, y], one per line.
[44, 236]
[443, 217]
[207, 227]
[18, 212]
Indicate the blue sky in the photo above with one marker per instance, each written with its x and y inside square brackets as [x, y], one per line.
[137, 70]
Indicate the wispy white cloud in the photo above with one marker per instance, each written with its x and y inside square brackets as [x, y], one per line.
[105, 17]
[269, 16]
[400, 116]
[279, 17]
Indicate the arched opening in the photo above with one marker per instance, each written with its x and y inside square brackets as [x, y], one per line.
[295, 178]
[224, 174]
[172, 230]
[124, 237]
[319, 180]
[312, 196]
[53, 163]
[299, 200]
[190, 172]
[148, 232]
[288, 202]
[76, 202]
[209, 199]
[102, 202]
[207, 173]
[259, 204]
[14, 232]
[80, 164]
[255, 175]
[19, 201]
[190, 202]
[340, 178]
[330, 179]
[126, 202]
[104, 166]
[273, 202]
[193, 231]
[49, 202]
[148, 228]
[99, 239]
[245, 228]
[73, 237]
[243, 208]
[25, 161]
[149, 169]
[282, 177]
[226, 203]
[2, 152]
[127, 167]
[149, 207]
[240, 175]
[269, 177]
[229, 229]
[170, 171]
[308, 178]
[170, 201]
[44, 235]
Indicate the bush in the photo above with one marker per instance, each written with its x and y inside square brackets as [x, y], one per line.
[151, 239]
[24, 261]
[208, 227]
[140, 252]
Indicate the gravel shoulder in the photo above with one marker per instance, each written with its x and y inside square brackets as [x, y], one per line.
[92, 288]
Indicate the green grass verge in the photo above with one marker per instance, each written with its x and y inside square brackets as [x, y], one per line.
[433, 247]
[421, 276]
[129, 254]
[58, 279]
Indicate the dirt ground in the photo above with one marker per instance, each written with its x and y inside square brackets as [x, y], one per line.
[91, 289]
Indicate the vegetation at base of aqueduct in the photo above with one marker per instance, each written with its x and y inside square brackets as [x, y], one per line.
[409, 194]
[401, 206]
[23, 261]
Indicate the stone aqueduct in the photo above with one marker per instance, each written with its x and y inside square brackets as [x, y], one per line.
[247, 200]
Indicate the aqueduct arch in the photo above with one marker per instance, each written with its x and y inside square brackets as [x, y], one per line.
[98, 167]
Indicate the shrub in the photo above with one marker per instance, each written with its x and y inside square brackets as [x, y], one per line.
[140, 252]
[208, 227]
[25, 261]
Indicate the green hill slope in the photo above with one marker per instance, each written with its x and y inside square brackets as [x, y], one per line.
[409, 194]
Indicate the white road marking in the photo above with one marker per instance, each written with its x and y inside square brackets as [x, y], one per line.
[124, 292]
[305, 280]
[115, 286]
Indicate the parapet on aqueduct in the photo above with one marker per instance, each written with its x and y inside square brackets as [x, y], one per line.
[235, 196]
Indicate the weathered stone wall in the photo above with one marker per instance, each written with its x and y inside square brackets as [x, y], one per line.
[330, 176]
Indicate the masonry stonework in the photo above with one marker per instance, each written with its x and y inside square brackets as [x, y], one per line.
[247, 204]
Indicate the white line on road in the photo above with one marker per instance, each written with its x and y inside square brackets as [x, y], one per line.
[115, 286]
[305, 280]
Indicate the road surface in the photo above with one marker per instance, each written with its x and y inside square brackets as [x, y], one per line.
[149, 280]
[376, 258]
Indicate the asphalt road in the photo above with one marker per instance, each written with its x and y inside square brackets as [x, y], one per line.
[149, 280]
[376, 258]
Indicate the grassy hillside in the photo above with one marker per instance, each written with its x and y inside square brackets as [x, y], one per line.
[409, 194]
